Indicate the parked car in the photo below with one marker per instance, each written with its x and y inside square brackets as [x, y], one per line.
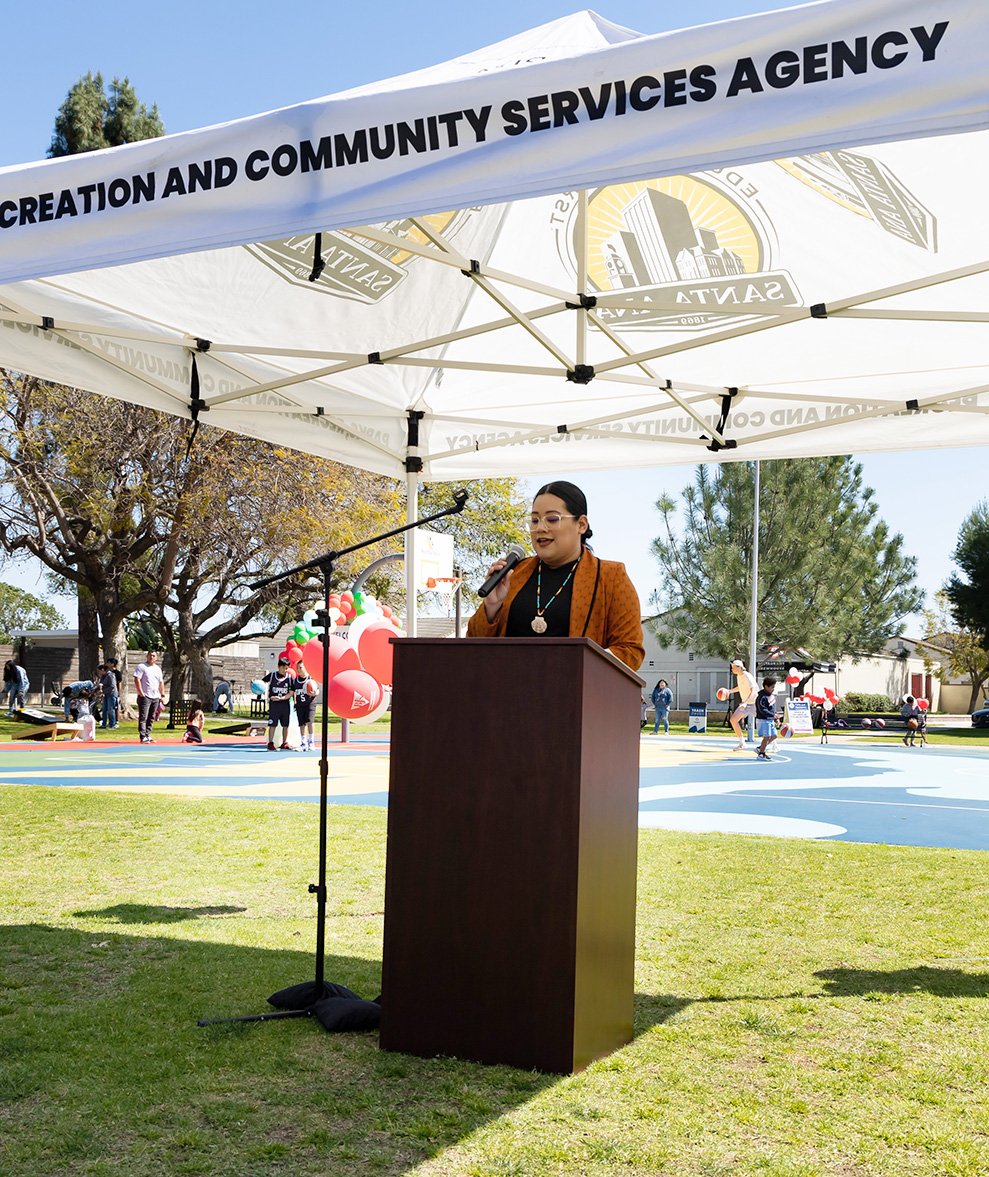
[981, 718]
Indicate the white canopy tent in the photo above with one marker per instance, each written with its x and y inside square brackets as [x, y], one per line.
[581, 248]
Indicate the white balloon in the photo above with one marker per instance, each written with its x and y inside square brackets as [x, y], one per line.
[381, 708]
[357, 627]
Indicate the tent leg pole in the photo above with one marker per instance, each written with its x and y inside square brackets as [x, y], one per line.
[581, 344]
[411, 514]
[753, 609]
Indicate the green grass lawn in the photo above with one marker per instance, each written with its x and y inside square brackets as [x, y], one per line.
[802, 1009]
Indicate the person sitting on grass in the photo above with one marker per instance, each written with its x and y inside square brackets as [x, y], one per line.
[194, 724]
[765, 716]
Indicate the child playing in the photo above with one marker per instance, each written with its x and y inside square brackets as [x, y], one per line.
[194, 724]
[280, 686]
[765, 716]
[305, 707]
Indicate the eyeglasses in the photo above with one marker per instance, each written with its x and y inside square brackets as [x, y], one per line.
[551, 520]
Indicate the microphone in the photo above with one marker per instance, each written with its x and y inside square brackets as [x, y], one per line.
[514, 554]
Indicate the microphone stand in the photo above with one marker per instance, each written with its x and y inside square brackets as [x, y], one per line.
[325, 564]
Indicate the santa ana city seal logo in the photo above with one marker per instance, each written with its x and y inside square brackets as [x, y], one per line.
[356, 268]
[694, 241]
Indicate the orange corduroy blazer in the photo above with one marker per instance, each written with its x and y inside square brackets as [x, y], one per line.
[612, 615]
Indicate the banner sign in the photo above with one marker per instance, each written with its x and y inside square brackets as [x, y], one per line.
[697, 717]
[577, 104]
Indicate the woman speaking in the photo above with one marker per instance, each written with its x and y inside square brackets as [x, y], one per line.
[564, 591]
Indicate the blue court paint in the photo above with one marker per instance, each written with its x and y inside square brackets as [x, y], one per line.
[883, 793]
[896, 795]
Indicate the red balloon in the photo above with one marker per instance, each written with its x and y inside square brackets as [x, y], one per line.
[347, 596]
[375, 650]
[793, 679]
[353, 693]
[923, 704]
[342, 654]
[294, 654]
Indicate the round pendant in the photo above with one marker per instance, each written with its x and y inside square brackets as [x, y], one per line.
[539, 624]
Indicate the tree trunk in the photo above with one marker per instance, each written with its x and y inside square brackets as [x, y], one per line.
[202, 674]
[195, 655]
[89, 641]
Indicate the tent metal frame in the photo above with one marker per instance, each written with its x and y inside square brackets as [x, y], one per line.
[629, 368]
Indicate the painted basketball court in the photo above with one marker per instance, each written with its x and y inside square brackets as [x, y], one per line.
[848, 791]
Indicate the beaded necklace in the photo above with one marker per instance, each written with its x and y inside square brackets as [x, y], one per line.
[539, 622]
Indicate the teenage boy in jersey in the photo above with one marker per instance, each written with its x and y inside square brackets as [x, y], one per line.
[280, 686]
[745, 688]
[305, 707]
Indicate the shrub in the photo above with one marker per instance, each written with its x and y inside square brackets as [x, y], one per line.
[856, 701]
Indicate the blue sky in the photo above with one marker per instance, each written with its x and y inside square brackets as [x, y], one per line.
[206, 63]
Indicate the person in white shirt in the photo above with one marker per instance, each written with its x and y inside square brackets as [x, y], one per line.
[745, 688]
[150, 686]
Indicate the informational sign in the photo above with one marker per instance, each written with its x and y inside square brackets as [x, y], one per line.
[697, 717]
[799, 718]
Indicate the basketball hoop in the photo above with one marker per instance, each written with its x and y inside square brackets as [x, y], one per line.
[446, 588]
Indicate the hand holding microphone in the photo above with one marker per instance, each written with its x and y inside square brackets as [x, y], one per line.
[495, 588]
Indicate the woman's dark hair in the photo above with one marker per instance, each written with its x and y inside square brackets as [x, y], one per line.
[8, 671]
[660, 683]
[572, 496]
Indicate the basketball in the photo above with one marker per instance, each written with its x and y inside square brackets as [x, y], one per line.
[723, 693]
[880, 723]
[867, 722]
[912, 724]
[786, 731]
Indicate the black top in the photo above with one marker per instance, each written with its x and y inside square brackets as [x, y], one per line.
[556, 616]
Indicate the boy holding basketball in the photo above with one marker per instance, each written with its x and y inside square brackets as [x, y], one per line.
[765, 716]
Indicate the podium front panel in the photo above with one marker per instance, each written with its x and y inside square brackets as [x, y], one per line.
[510, 878]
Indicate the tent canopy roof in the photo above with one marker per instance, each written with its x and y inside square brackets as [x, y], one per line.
[578, 248]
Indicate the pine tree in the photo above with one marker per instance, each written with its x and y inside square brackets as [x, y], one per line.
[970, 598]
[832, 577]
[90, 118]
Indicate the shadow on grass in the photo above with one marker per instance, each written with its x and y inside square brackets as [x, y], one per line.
[849, 982]
[141, 913]
[843, 981]
[102, 1064]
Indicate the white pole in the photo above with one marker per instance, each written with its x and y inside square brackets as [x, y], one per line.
[754, 605]
[411, 514]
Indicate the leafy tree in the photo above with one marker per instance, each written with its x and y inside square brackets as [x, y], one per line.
[959, 651]
[969, 598]
[21, 610]
[832, 577]
[251, 509]
[90, 118]
[83, 494]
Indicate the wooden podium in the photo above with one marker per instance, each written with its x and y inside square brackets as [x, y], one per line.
[509, 930]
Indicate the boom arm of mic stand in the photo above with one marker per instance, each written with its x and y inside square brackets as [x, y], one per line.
[459, 502]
